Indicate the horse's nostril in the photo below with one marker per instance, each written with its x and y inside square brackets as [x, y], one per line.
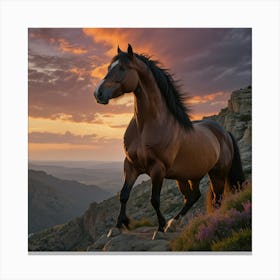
[98, 90]
[97, 93]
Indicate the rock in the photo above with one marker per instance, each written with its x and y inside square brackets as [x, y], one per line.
[247, 136]
[237, 118]
[131, 242]
[66, 237]
[240, 101]
[89, 219]
[158, 235]
[99, 244]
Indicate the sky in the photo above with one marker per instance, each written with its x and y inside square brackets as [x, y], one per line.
[66, 64]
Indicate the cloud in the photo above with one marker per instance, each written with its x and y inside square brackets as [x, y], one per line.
[61, 82]
[110, 38]
[55, 41]
[211, 98]
[100, 71]
[67, 137]
[67, 47]
[60, 87]
[113, 120]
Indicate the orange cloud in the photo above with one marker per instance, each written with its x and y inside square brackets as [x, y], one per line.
[207, 98]
[78, 71]
[200, 116]
[113, 37]
[99, 71]
[67, 47]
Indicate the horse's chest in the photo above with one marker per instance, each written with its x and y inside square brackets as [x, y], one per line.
[142, 152]
[138, 153]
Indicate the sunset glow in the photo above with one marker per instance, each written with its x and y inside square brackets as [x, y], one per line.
[65, 65]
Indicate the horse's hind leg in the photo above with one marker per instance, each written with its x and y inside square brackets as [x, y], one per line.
[218, 180]
[191, 193]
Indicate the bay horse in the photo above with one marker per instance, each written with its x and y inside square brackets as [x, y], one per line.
[162, 141]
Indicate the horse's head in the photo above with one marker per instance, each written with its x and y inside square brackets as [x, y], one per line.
[121, 78]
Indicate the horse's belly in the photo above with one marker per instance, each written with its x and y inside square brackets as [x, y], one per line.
[182, 172]
[193, 164]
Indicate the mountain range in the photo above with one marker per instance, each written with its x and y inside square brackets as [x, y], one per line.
[54, 201]
[106, 175]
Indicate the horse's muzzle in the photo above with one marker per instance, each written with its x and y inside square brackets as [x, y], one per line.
[104, 102]
[103, 96]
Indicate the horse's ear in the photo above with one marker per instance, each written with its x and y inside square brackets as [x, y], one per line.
[130, 51]
[119, 50]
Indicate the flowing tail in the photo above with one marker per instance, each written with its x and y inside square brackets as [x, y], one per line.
[236, 174]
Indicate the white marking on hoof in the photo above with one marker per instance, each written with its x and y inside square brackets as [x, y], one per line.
[158, 235]
[114, 232]
[172, 225]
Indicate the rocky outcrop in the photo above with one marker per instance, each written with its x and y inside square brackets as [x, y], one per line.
[136, 240]
[90, 231]
[237, 118]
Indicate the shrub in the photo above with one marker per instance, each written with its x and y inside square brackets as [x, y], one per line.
[239, 241]
[237, 199]
[208, 229]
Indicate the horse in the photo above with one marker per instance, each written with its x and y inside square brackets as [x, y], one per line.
[162, 141]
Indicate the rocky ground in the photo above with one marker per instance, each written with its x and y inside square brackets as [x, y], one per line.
[91, 232]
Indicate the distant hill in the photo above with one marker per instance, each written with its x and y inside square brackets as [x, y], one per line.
[53, 201]
[109, 175]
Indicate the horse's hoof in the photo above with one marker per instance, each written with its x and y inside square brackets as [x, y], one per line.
[114, 232]
[171, 225]
[158, 235]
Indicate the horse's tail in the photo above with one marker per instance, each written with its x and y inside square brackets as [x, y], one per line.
[236, 175]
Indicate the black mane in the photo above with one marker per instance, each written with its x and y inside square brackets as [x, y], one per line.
[168, 88]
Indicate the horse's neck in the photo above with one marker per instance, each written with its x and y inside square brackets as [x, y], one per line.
[148, 103]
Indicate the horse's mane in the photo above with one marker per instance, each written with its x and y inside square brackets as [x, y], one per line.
[169, 90]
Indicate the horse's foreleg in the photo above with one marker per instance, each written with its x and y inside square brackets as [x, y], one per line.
[157, 175]
[191, 192]
[130, 175]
